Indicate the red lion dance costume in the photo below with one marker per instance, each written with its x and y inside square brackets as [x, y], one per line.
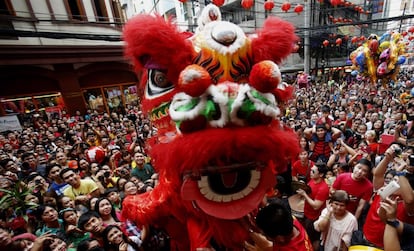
[215, 97]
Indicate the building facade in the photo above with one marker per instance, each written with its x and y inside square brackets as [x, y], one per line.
[63, 55]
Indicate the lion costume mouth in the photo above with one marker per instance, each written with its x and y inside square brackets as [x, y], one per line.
[228, 191]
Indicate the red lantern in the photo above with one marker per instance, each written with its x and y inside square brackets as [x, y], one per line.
[325, 43]
[411, 29]
[269, 5]
[354, 40]
[404, 33]
[285, 6]
[411, 38]
[335, 2]
[362, 38]
[247, 4]
[218, 2]
[338, 41]
[298, 8]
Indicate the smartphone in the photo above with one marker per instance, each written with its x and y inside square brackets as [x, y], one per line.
[389, 189]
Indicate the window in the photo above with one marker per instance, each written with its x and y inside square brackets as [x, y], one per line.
[111, 99]
[32, 104]
[76, 10]
[100, 11]
[118, 13]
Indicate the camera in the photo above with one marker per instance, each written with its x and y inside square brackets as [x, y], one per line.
[397, 151]
[37, 182]
[107, 174]
[389, 189]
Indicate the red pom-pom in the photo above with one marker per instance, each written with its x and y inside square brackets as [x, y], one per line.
[265, 76]
[194, 80]
[95, 154]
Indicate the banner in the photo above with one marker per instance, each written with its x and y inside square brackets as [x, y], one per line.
[10, 123]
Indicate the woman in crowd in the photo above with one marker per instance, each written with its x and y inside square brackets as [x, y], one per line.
[336, 224]
[115, 240]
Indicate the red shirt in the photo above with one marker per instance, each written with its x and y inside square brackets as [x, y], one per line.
[373, 227]
[299, 243]
[320, 191]
[356, 189]
[299, 169]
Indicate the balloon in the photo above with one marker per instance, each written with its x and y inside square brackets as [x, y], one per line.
[401, 60]
[382, 69]
[385, 55]
[385, 37]
[383, 46]
[373, 45]
[354, 73]
[369, 61]
[380, 57]
[360, 59]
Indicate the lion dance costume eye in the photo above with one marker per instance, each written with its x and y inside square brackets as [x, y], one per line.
[215, 97]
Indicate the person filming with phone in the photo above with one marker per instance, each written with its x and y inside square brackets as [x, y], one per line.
[389, 182]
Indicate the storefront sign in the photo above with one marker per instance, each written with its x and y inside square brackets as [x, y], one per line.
[10, 123]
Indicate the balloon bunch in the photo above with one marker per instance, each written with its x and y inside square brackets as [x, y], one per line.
[379, 58]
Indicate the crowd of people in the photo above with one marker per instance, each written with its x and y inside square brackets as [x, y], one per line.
[355, 140]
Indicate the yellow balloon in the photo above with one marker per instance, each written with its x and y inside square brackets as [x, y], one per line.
[371, 69]
[383, 46]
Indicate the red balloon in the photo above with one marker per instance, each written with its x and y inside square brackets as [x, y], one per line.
[298, 8]
[269, 5]
[285, 6]
[338, 41]
[247, 4]
[373, 45]
[218, 2]
[325, 43]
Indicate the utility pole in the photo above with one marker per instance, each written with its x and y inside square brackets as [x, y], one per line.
[306, 52]
[403, 14]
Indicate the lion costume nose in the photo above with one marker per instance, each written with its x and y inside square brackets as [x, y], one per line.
[224, 34]
[223, 105]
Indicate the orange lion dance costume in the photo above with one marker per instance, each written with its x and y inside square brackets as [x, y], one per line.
[215, 98]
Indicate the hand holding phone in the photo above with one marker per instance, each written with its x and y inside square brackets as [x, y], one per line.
[389, 189]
